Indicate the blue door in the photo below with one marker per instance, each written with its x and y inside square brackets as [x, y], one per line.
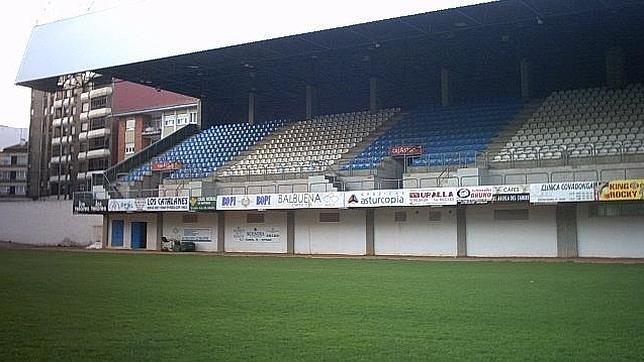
[117, 233]
[139, 232]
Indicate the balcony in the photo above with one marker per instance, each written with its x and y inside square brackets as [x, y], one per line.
[101, 112]
[60, 159]
[101, 132]
[87, 175]
[62, 178]
[57, 122]
[99, 153]
[105, 91]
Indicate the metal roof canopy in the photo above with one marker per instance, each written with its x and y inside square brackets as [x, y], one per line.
[175, 61]
[155, 29]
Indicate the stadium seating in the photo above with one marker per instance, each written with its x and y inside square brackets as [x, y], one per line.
[203, 153]
[581, 123]
[310, 145]
[448, 135]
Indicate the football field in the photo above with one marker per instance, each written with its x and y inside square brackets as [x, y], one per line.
[127, 306]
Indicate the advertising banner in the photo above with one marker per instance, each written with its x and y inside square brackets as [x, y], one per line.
[376, 198]
[511, 189]
[204, 203]
[511, 193]
[511, 198]
[311, 200]
[301, 200]
[164, 166]
[173, 203]
[474, 194]
[622, 190]
[439, 196]
[562, 192]
[256, 234]
[198, 235]
[126, 205]
[406, 150]
[89, 206]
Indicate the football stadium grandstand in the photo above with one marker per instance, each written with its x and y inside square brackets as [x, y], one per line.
[509, 128]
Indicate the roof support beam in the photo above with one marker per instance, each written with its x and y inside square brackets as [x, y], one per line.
[314, 43]
[469, 17]
[531, 8]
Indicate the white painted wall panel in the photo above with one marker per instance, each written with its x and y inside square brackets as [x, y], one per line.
[48, 222]
[536, 236]
[613, 237]
[236, 219]
[346, 237]
[173, 227]
[417, 236]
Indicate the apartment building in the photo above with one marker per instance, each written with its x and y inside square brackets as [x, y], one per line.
[70, 135]
[13, 171]
[143, 115]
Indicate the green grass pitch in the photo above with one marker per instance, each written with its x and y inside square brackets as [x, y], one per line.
[88, 306]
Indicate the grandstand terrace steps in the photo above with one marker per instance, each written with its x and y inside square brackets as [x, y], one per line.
[384, 127]
[202, 154]
[579, 124]
[510, 130]
[306, 147]
[448, 135]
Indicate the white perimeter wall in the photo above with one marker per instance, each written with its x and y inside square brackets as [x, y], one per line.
[173, 227]
[346, 237]
[614, 236]
[536, 236]
[237, 219]
[47, 223]
[417, 235]
[151, 229]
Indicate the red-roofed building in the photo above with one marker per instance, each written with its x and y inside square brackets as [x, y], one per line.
[143, 115]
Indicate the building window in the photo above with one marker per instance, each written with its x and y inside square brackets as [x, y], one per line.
[435, 216]
[182, 119]
[129, 124]
[193, 118]
[168, 120]
[21, 175]
[85, 107]
[98, 103]
[189, 218]
[98, 123]
[84, 126]
[331, 217]
[255, 218]
[20, 190]
[400, 216]
[4, 175]
[129, 148]
[616, 209]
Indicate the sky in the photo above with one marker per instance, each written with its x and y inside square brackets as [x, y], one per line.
[22, 16]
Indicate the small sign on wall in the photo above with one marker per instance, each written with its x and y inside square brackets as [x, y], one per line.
[256, 234]
[198, 235]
